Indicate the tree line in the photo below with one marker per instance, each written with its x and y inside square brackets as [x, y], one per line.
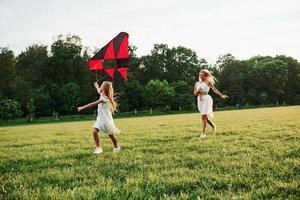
[54, 80]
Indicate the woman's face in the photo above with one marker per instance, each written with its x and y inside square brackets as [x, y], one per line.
[203, 76]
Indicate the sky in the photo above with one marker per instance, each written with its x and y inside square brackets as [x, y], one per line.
[244, 28]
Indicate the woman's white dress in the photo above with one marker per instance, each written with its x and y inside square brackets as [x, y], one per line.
[205, 102]
[104, 121]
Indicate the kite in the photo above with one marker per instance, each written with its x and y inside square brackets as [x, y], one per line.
[117, 51]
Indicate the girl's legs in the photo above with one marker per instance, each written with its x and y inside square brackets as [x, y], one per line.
[114, 140]
[96, 137]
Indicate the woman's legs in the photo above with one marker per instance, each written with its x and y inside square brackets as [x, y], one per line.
[204, 120]
[114, 140]
[210, 123]
[96, 137]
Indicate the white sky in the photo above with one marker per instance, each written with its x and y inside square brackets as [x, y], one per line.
[242, 27]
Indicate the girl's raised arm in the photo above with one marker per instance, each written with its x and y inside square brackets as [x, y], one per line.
[90, 105]
[217, 91]
[97, 87]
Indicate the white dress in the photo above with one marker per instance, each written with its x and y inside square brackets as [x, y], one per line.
[104, 121]
[205, 102]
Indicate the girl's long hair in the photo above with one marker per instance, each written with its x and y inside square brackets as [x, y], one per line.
[108, 89]
[209, 75]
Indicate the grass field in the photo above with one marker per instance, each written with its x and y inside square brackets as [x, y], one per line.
[255, 155]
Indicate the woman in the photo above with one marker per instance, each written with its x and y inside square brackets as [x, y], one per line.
[205, 102]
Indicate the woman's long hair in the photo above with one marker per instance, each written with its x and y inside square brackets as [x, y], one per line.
[108, 89]
[209, 75]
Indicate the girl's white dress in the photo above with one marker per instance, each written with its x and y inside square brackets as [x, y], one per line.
[205, 102]
[104, 121]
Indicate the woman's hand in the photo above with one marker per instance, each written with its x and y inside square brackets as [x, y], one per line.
[80, 108]
[224, 96]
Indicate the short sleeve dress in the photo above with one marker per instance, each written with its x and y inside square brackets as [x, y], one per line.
[205, 102]
[104, 122]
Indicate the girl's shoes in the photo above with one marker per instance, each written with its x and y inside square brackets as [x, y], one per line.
[117, 150]
[215, 128]
[203, 136]
[98, 150]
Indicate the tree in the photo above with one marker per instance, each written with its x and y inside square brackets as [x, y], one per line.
[224, 60]
[271, 75]
[31, 73]
[183, 98]
[33, 64]
[31, 109]
[153, 65]
[39, 102]
[232, 78]
[66, 60]
[159, 94]
[9, 109]
[7, 71]
[292, 86]
[132, 97]
[170, 64]
[68, 98]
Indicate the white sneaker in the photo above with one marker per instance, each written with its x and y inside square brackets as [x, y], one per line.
[215, 128]
[203, 136]
[117, 150]
[98, 150]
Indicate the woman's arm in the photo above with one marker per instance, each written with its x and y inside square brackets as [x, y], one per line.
[217, 91]
[90, 105]
[196, 92]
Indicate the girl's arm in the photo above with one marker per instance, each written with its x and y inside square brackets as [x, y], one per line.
[97, 87]
[217, 91]
[90, 105]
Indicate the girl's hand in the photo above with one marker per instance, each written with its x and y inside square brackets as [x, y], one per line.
[224, 96]
[96, 85]
[80, 108]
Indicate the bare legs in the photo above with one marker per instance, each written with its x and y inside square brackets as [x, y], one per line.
[97, 139]
[114, 140]
[210, 123]
[206, 120]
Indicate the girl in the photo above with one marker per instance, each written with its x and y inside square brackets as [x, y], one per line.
[205, 102]
[104, 122]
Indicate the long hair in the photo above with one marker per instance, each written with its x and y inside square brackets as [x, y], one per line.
[209, 75]
[108, 89]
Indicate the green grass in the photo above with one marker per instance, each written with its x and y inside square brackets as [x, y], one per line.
[140, 113]
[255, 155]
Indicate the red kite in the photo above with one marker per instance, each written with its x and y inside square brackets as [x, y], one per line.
[116, 49]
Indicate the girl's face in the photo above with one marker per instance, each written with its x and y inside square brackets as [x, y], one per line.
[203, 76]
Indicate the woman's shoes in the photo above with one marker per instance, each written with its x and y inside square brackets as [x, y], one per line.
[203, 136]
[215, 128]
